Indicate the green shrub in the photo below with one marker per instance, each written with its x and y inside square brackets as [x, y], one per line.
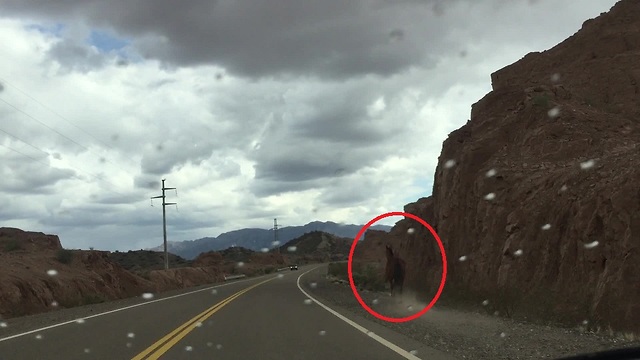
[12, 245]
[64, 256]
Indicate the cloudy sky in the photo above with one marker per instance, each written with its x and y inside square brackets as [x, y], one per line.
[327, 110]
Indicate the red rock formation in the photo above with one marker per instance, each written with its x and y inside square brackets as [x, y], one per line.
[510, 257]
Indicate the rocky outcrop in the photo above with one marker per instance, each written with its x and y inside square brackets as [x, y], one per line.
[536, 198]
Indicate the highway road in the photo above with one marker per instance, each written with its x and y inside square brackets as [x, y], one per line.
[270, 317]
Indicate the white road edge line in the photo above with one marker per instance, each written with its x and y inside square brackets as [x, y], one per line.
[121, 309]
[371, 334]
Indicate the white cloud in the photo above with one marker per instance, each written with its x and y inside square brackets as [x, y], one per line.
[354, 129]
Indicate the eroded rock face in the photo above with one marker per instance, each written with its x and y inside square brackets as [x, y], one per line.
[548, 165]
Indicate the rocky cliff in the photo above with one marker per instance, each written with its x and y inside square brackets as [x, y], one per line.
[537, 197]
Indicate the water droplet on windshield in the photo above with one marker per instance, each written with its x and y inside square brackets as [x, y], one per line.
[265, 250]
[292, 248]
[39, 337]
[490, 196]
[518, 252]
[413, 352]
[591, 245]
[240, 264]
[546, 226]
[188, 348]
[491, 173]
[3, 324]
[275, 243]
[555, 77]
[449, 164]
[80, 321]
[485, 303]
[308, 301]
[214, 291]
[375, 301]
[411, 230]
[554, 113]
[52, 272]
[463, 258]
[280, 276]
[563, 188]
[86, 351]
[54, 303]
[313, 285]
[199, 324]
[131, 335]
[502, 335]
[587, 164]
[322, 332]
[147, 296]
[218, 346]
[209, 344]
[129, 345]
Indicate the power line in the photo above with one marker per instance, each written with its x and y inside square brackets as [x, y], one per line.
[53, 111]
[75, 176]
[57, 132]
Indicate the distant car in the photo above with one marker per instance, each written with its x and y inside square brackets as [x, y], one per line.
[293, 267]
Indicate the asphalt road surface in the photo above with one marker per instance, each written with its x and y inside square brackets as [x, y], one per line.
[269, 317]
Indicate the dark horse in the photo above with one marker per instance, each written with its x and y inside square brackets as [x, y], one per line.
[395, 271]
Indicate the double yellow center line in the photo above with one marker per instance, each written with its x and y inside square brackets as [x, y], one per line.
[163, 345]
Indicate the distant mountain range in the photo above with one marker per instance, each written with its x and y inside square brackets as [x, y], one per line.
[258, 239]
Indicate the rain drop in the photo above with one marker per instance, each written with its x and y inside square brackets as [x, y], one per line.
[491, 173]
[147, 296]
[585, 322]
[86, 351]
[218, 346]
[308, 301]
[555, 77]
[314, 285]
[591, 245]
[209, 344]
[292, 248]
[322, 333]
[214, 291]
[587, 164]
[375, 301]
[54, 303]
[275, 243]
[199, 324]
[411, 231]
[80, 321]
[410, 308]
[265, 250]
[129, 345]
[490, 196]
[131, 335]
[563, 188]
[3, 324]
[188, 348]
[554, 113]
[240, 264]
[518, 252]
[546, 226]
[280, 276]
[449, 164]
[502, 335]
[463, 258]
[485, 303]
[413, 352]
[39, 337]
[52, 272]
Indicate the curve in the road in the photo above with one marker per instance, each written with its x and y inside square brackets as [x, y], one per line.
[400, 351]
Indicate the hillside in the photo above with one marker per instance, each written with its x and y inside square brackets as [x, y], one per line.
[556, 143]
[316, 246]
[258, 239]
[37, 274]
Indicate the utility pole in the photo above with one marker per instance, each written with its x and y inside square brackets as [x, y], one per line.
[275, 234]
[164, 222]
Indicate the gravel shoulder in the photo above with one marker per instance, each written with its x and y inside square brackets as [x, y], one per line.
[461, 333]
